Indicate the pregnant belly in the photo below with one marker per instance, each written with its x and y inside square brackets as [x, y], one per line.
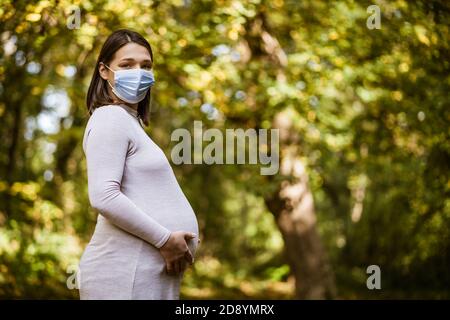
[177, 215]
[184, 219]
[181, 217]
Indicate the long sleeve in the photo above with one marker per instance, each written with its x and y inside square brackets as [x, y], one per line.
[106, 149]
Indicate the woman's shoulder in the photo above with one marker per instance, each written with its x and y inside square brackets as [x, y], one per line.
[109, 111]
[111, 116]
[108, 120]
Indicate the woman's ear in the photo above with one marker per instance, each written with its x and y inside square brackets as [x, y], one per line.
[103, 71]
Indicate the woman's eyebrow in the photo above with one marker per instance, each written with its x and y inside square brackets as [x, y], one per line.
[132, 59]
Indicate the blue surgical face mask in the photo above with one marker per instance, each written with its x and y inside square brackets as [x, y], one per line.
[131, 85]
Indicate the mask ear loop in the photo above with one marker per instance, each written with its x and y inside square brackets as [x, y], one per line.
[111, 71]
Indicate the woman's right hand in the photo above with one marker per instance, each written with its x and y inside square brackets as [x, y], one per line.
[176, 252]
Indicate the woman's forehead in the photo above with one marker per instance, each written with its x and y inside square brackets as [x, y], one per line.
[132, 51]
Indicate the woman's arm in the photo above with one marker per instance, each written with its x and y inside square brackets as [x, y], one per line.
[106, 150]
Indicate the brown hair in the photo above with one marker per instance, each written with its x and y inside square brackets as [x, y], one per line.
[97, 95]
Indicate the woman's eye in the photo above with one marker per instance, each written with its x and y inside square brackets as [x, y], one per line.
[147, 67]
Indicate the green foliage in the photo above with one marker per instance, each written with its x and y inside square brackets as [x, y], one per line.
[371, 108]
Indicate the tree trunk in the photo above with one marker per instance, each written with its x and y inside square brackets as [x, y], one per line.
[293, 208]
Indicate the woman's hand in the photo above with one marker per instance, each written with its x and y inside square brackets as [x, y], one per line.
[176, 252]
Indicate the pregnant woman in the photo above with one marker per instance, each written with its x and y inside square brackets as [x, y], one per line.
[146, 232]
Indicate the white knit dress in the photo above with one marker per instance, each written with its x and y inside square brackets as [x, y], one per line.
[132, 186]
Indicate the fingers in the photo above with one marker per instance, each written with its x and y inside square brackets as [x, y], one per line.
[179, 264]
[176, 267]
[183, 265]
[188, 256]
[189, 235]
[169, 268]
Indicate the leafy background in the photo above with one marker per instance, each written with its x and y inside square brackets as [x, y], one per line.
[365, 152]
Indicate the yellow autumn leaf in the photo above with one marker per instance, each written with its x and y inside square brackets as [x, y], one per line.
[421, 34]
[33, 17]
